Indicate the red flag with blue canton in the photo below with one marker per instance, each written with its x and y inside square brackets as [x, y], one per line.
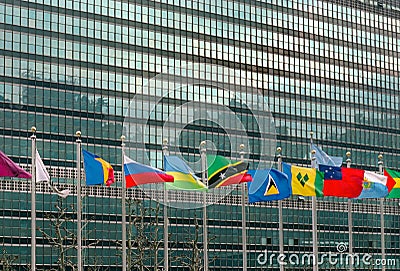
[342, 182]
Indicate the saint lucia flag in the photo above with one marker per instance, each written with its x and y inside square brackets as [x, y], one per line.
[268, 185]
[374, 186]
[305, 181]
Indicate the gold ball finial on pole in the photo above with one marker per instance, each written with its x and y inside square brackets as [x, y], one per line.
[203, 146]
[78, 133]
[123, 138]
[241, 151]
[380, 163]
[313, 152]
[165, 146]
[279, 156]
[348, 160]
[33, 129]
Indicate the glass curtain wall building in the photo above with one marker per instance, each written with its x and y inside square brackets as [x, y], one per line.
[330, 67]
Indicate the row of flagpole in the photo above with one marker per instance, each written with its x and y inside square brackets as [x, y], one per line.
[123, 206]
[314, 214]
[350, 216]
[39, 174]
[205, 231]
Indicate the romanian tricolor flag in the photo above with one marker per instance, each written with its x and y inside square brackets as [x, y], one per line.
[97, 170]
[138, 174]
[221, 172]
[393, 183]
[305, 181]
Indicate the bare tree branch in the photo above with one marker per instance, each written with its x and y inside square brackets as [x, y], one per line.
[143, 242]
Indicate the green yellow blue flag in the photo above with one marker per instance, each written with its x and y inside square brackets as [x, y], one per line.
[305, 181]
[184, 177]
[393, 183]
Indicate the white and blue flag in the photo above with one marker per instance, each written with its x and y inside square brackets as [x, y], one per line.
[325, 159]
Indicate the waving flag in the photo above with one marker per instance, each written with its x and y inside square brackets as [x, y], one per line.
[221, 172]
[374, 186]
[325, 159]
[138, 174]
[184, 177]
[41, 172]
[305, 181]
[393, 183]
[267, 185]
[42, 175]
[10, 169]
[342, 182]
[97, 170]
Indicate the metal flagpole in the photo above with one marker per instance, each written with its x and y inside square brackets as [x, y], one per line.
[205, 181]
[33, 201]
[381, 201]
[314, 214]
[350, 218]
[123, 205]
[244, 233]
[166, 222]
[280, 212]
[79, 199]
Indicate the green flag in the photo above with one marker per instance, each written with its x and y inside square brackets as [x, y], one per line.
[393, 183]
[222, 172]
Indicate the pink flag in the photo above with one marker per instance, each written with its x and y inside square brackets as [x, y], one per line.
[10, 169]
